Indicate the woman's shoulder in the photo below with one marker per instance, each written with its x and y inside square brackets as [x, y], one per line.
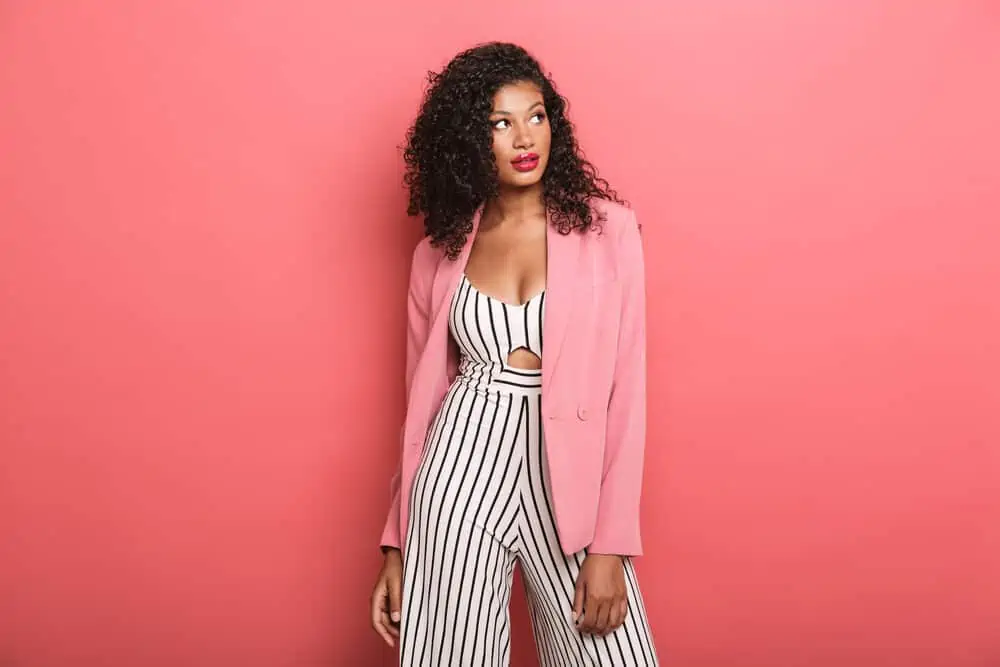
[423, 263]
[616, 219]
[615, 212]
[425, 254]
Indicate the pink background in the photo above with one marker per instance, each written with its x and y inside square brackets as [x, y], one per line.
[203, 258]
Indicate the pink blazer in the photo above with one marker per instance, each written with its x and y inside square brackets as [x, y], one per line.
[593, 379]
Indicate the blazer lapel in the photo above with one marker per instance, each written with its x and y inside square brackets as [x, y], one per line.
[561, 289]
[446, 276]
[434, 359]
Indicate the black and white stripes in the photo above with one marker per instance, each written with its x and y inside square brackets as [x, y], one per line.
[487, 330]
[480, 505]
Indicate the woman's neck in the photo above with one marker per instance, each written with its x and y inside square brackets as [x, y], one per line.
[515, 206]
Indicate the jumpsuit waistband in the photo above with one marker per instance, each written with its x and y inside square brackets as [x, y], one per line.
[503, 379]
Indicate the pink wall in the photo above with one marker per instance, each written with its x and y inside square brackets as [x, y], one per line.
[203, 260]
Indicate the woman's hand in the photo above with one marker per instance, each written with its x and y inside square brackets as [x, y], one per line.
[387, 597]
[601, 600]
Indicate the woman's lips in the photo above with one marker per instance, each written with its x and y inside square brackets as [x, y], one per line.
[525, 161]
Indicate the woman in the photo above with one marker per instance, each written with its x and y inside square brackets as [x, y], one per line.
[512, 454]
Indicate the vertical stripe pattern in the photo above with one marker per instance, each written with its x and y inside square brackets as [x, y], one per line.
[481, 506]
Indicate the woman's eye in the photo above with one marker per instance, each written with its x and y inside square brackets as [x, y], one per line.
[499, 124]
[538, 118]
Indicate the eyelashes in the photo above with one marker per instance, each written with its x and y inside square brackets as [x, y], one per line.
[503, 123]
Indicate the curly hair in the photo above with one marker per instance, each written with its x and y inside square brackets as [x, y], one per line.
[450, 167]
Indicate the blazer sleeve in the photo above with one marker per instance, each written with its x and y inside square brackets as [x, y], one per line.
[418, 324]
[617, 530]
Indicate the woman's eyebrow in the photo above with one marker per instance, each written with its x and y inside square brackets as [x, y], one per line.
[504, 112]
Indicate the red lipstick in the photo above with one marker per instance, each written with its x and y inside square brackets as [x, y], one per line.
[525, 161]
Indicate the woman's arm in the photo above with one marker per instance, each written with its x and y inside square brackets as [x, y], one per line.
[617, 530]
[417, 318]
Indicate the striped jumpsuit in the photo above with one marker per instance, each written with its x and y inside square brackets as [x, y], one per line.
[481, 503]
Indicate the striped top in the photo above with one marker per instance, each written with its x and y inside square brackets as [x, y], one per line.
[487, 330]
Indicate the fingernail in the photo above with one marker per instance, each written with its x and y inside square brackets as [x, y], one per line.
[395, 616]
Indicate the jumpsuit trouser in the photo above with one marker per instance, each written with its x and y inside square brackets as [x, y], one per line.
[481, 504]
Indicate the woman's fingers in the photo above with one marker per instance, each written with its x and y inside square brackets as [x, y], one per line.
[380, 612]
[618, 611]
[578, 596]
[603, 617]
[395, 586]
[591, 615]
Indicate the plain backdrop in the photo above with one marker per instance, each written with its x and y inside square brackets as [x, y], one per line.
[203, 261]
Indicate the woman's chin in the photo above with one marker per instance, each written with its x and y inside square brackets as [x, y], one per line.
[521, 182]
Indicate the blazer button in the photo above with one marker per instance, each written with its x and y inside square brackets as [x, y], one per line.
[582, 413]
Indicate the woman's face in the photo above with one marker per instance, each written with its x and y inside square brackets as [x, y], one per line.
[521, 135]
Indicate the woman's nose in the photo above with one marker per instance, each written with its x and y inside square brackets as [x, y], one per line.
[523, 139]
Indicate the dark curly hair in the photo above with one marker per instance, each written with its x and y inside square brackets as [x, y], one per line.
[450, 167]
